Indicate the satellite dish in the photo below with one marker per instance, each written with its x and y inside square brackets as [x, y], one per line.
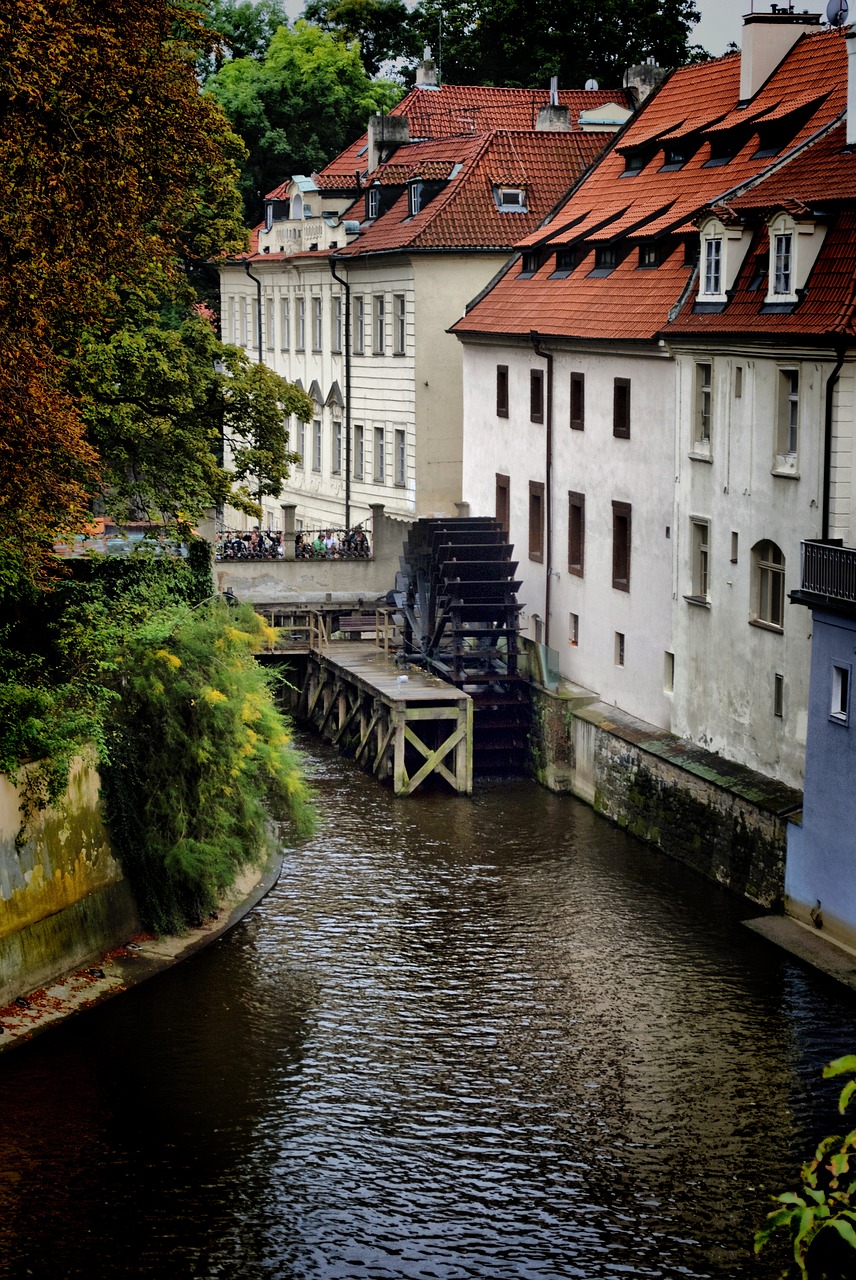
[592, 84]
[836, 12]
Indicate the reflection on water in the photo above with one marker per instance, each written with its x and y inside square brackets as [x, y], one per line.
[490, 1038]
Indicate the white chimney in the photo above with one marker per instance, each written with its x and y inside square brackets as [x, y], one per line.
[385, 134]
[767, 38]
[851, 87]
[426, 72]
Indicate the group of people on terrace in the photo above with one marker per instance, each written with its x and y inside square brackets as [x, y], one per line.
[315, 544]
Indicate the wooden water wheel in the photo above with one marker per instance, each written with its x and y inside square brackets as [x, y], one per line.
[461, 622]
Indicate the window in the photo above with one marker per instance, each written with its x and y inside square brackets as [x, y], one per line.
[574, 629]
[578, 401]
[738, 381]
[531, 262]
[510, 199]
[337, 324]
[399, 332]
[379, 456]
[300, 444]
[300, 335]
[621, 408]
[668, 672]
[254, 314]
[373, 202]
[700, 564]
[317, 330]
[536, 395]
[400, 458]
[536, 521]
[316, 444]
[503, 500]
[231, 322]
[619, 648]
[649, 255]
[337, 449]
[566, 260]
[782, 258]
[768, 572]
[735, 543]
[839, 708]
[605, 259]
[359, 326]
[284, 324]
[502, 390]
[242, 311]
[621, 522]
[414, 198]
[778, 695]
[359, 452]
[788, 418]
[713, 266]
[576, 533]
[703, 404]
[379, 324]
[269, 333]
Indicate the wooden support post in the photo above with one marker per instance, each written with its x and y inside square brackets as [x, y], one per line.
[399, 772]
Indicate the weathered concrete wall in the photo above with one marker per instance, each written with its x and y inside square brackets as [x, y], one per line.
[63, 898]
[722, 819]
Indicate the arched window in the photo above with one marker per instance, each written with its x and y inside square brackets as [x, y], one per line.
[768, 585]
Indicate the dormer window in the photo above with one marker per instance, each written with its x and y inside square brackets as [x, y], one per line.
[676, 155]
[372, 202]
[566, 260]
[510, 199]
[723, 250]
[606, 258]
[713, 266]
[634, 162]
[414, 198]
[794, 246]
[649, 255]
[531, 262]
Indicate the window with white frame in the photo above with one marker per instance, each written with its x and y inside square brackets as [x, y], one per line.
[284, 324]
[316, 444]
[768, 585]
[713, 266]
[788, 420]
[783, 248]
[373, 202]
[254, 315]
[703, 404]
[336, 466]
[839, 707]
[379, 327]
[414, 198]
[379, 456]
[400, 458]
[700, 561]
[337, 324]
[300, 442]
[510, 199]
[359, 326]
[300, 335]
[232, 322]
[359, 461]
[399, 331]
[242, 312]
[317, 330]
[270, 336]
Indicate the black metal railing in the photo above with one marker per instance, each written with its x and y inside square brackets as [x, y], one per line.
[829, 571]
[309, 544]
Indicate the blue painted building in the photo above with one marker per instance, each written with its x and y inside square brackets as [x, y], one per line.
[820, 877]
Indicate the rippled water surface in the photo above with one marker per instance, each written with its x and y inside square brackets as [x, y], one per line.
[490, 1038]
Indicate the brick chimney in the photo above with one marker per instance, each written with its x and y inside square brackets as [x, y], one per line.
[767, 38]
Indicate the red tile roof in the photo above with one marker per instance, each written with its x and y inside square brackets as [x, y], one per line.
[456, 110]
[634, 303]
[465, 213]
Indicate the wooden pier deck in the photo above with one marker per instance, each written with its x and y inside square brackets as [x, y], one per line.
[403, 724]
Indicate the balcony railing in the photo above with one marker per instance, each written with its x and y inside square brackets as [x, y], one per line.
[829, 572]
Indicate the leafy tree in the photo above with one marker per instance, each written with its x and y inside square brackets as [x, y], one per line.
[525, 42]
[820, 1218]
[299, 108]
[383, 28]
[245, 30]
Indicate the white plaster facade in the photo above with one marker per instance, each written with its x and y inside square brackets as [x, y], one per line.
[592, 463]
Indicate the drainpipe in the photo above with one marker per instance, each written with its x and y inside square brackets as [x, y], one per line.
[344, 283]
[548, 487]
[827, 438]
[258, 284]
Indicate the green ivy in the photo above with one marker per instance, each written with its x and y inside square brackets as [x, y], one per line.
[820, 1218]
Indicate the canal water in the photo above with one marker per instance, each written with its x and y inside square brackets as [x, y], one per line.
[461, 1040]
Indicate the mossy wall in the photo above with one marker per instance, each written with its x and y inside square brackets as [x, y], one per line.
[63, 897]
[721, 819]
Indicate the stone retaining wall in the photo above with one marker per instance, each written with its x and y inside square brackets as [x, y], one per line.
[719, 818]
[63, 898]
